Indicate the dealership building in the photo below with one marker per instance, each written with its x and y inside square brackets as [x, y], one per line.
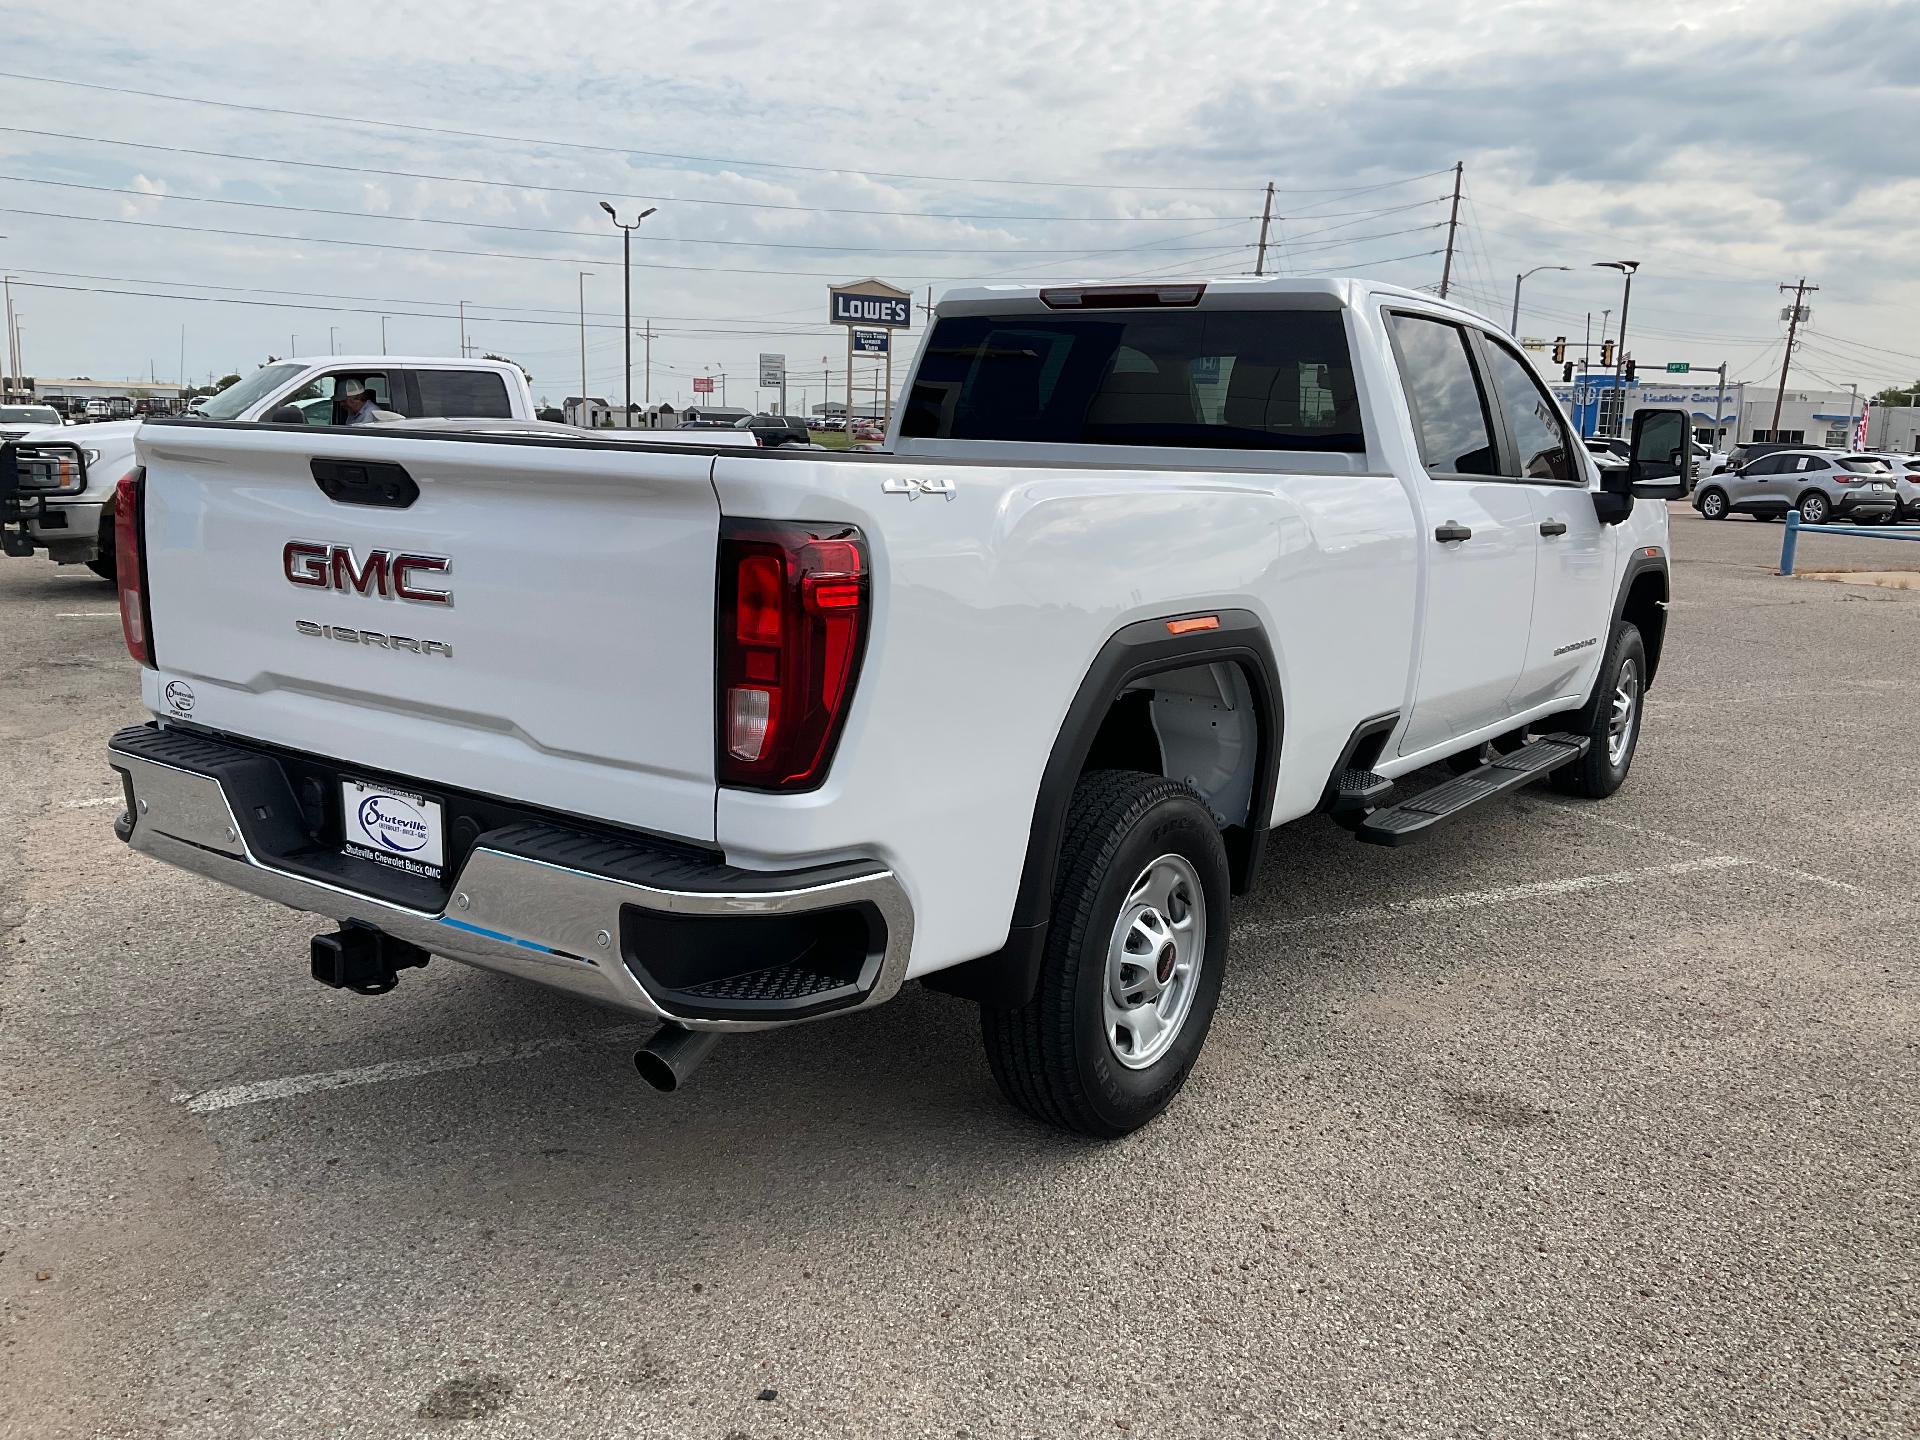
[1722, 417]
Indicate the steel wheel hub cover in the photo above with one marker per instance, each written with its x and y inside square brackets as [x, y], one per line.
[1153, 961]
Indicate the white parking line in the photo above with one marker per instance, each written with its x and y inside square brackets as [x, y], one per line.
[90, 804]
[86, 615]
[227, 1097]
[1586, 814]
[1476, 899]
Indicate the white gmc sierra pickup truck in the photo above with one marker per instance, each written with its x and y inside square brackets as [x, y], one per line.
[57, 495]
[733, 739]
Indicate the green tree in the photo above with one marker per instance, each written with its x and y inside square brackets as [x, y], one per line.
[515, 363]
[1899, 395]
[224, 381]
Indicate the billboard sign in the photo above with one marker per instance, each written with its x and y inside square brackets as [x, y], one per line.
[870, 303]
[773, 371]
[703, 384]
[870, 342]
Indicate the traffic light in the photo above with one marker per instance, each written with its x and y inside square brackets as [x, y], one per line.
[1559, 349]
[1566, 373]
[1606, 352]
[1626, 375]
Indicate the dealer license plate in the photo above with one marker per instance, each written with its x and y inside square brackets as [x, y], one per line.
[393, 827]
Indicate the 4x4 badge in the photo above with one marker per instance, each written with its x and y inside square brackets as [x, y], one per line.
[913, 487]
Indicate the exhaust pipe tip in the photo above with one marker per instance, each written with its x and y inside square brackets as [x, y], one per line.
[669, 1058]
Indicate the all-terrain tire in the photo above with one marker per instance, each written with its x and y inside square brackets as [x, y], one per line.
[1603, 769]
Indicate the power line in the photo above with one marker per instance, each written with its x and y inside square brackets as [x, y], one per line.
[417, 129]
[442, 249]
[362, 169]
[474, 316]
[578, 234]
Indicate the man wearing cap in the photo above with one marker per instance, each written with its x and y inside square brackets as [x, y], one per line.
[358, 403]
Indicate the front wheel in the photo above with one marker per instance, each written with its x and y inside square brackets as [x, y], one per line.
[1713, 505]
[1136, 949]
[1611, 721]
[104, 568]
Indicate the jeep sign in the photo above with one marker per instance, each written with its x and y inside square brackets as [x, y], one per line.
[850, 308]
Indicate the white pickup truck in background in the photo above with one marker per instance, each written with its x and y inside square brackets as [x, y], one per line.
[733, 739]
[64, 478]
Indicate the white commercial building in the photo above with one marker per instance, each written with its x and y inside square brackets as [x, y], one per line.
[1722, 416]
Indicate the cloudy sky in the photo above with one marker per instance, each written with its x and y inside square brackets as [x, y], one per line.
[399, 163]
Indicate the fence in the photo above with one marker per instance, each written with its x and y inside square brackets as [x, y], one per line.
[1791, 541]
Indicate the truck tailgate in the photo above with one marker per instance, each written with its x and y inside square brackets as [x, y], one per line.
[569, 666]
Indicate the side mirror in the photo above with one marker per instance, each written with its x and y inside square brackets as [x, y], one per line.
[286, 415]
[1657, 466]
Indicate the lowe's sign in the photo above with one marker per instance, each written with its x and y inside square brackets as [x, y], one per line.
[849, 307]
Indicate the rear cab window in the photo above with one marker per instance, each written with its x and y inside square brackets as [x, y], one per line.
[463, 395]
[1254, 379]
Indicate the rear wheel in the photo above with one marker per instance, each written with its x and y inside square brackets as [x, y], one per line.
[105, 568]
[1814, 509]
[1713, 504]
[1136, 948]
[1611, 720]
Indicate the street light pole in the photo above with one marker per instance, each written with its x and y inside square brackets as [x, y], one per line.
[333, 347]
[1626, 268]
[626, 265]
[583, 341]
[1514, 328]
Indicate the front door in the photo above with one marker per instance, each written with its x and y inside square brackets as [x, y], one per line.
[1479, 535]
[1573, 575]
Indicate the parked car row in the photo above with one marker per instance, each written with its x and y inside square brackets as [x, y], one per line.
[1822, 485]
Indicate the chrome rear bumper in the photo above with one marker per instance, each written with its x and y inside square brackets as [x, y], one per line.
[513, 908]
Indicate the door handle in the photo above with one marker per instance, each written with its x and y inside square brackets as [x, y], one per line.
[1553, 527]
[1449, 532]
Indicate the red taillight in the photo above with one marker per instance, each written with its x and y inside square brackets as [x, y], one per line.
[793, 623]
[129, 564]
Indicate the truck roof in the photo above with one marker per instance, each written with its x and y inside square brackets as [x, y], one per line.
[1341, 289]
[374, 362]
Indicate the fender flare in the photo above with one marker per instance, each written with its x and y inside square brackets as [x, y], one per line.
[1147, 647]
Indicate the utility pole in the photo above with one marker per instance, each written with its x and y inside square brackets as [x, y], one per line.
[646, 395]
[1800, 292]
[1266, 222]
[13, 340]
[1719, 406]
[183, 362]
[383, 334]
[463, 329]
[1453, 226]
[583, 340]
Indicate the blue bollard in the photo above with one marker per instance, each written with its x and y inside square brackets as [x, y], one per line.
[1791, 540]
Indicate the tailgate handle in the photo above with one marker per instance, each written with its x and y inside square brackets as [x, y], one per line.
[366, 482]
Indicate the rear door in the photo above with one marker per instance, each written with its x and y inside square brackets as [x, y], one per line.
[1479, 534]
[536, 625]
[1573, 575]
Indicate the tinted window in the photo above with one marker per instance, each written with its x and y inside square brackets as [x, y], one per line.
[463, 395]
[1538, 434]
[1865, 467]
[1766, 465]
[1449, 410]
[1240, 380]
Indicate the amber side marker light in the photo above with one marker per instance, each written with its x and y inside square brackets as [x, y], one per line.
[1197, 622]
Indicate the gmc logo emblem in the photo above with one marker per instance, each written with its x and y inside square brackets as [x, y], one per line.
[383, 573]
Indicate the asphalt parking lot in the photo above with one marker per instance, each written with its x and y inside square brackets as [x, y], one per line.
[1581, 1120]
